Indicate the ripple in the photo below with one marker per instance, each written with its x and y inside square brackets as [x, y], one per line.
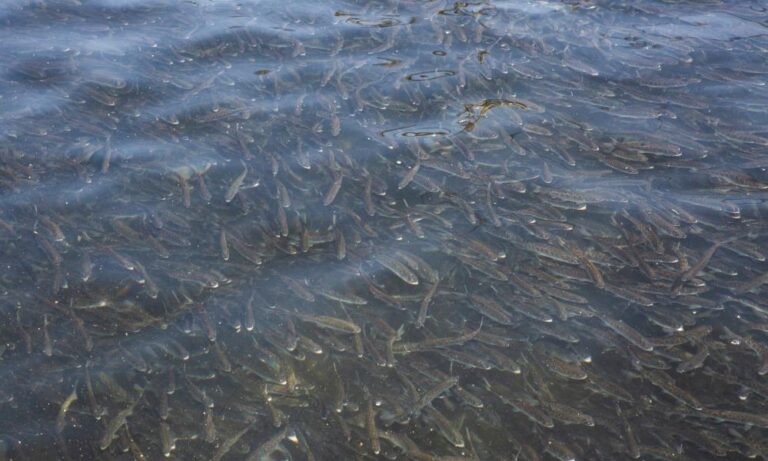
[430, 75]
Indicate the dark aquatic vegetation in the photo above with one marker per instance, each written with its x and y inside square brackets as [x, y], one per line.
[492, 230]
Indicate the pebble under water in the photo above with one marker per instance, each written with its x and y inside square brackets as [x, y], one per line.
[403, 230]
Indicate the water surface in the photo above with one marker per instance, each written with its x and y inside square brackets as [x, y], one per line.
[502, 230]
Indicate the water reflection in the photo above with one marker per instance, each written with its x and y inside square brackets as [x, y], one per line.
[399, 230]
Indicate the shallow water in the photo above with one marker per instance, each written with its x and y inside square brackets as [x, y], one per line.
[383, 230]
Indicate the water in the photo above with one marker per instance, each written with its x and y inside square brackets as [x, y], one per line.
[383, 230]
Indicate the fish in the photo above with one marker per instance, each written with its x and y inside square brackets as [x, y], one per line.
[662, 381]
[64, 408]
[269, 445]
[114, 424]
[424, 305]
[445, 427]
[762, 351]
[227, 444]
[700, 264]
[408, 177]
[370, 424]
[330, 196]
[434, 392]
[567, 414]
[236, 184]
[332, 323]
[562, 367]
[345, 298]
[695, 361]
[628, 333]
[224, 245]
[734, 416]
[491, 309]
[533, 412]
[398, 268]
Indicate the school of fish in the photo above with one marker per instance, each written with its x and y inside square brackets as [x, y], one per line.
[492, 230]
